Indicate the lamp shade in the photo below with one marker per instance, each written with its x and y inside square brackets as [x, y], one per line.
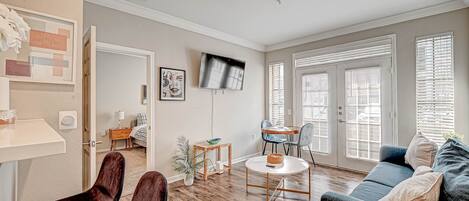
[4, 93]
[121, 115]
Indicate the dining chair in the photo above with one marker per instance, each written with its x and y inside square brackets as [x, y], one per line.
[110, 181]
[152, 186]
[305, 138]
[274, 140]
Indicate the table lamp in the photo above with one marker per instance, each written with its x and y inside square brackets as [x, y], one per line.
[7, 116]
[120, 117]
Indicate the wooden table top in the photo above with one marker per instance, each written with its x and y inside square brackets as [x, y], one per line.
[205, 145]
[281, 130]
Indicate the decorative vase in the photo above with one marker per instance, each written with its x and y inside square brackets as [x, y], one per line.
[189, 179]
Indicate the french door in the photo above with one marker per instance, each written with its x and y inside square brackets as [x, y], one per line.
[349, 104]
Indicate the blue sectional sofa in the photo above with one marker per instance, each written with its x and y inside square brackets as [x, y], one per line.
[390, 171]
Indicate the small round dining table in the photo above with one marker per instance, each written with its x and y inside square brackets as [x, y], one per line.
[291, 130]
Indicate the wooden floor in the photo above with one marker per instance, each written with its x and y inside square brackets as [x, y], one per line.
[232, 187]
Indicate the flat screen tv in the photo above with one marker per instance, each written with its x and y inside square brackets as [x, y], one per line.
[218, 72]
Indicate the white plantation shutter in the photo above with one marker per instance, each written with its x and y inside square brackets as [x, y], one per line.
[377, 48]
[276, 94]
[435, 86]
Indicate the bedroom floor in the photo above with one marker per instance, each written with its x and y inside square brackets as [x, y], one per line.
[135, 166]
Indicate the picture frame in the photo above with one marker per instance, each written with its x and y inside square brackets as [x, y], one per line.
[172, 84]
[48, 56]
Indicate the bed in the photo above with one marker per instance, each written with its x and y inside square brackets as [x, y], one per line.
[139, 130]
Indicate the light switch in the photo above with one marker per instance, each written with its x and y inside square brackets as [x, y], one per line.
[67, 120]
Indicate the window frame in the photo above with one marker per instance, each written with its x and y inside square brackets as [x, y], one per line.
[270, 90]
[451, 34]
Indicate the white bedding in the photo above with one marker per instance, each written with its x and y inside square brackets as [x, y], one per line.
[139, 133]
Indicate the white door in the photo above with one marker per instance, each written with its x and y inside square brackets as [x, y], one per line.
[89, 107]
[364, 111]
[358, 109]
[316, 104]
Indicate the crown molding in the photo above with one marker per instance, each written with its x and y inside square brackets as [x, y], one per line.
[134, 9]
[415, 14]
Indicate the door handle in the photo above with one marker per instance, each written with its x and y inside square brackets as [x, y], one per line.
[342, 121]
[92, 143]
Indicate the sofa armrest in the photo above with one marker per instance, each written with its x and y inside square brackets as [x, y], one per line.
[392, 154]
[331, 196]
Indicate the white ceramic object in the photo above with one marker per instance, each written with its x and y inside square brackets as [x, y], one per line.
[291, 165]
[67, 120]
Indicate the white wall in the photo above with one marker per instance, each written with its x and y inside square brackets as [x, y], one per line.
[119, 81]
[456, 21]
[52, 177]
[237, 113]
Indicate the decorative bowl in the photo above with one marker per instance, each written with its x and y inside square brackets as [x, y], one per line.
[214, 141]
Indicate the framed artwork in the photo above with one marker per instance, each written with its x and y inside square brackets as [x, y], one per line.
[172, 84]
[144, 96]
[48, 56]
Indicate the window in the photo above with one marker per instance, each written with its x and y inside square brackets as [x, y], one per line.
[276, 94]
[435, 86]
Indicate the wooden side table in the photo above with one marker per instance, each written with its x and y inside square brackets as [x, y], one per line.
[205, 148]
[120, 134]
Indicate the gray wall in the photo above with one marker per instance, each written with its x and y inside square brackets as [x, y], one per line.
[119, 81]
[237, 114]
[52, 177]
[456, 21]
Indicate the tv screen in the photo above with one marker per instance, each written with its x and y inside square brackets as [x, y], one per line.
[217, 72]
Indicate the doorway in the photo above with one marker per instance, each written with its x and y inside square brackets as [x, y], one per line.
[118, 108]
[349, 104]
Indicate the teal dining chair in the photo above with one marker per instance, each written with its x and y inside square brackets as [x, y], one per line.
[274, 140]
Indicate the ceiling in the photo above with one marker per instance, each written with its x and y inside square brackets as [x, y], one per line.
[266, 22]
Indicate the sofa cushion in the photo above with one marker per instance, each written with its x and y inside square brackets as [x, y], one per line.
[389, 174]
[453, 161]
[370, 191]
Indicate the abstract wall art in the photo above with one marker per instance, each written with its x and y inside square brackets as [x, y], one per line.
[172, 84]
[48, 55]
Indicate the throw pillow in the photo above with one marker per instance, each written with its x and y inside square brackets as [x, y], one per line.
[424, 187]
[421, 151]
[453, 161]
[421, 170]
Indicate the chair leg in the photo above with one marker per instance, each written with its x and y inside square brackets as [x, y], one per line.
[272, 146]
[276, 150]
[311, 154]
[285, 150]
[263, 151]
[288, 150]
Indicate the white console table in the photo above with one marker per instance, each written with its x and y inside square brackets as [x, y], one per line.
[26, 139]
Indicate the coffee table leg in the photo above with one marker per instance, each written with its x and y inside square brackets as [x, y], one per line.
[309, 183]
[246, 180]
[267, 187]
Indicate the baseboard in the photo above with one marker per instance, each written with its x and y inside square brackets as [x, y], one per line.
[178, 177]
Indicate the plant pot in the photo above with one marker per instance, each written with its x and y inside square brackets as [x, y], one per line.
[189, 179]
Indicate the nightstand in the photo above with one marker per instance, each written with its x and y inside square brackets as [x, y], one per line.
[120, 134]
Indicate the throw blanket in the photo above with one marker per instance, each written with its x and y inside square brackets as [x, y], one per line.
[139, 132]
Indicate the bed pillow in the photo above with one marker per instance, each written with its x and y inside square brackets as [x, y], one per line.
[417, 188]
[141, 119]
[453, 161]
[421, 151]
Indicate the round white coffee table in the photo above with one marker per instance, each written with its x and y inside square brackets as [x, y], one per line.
[291, 165]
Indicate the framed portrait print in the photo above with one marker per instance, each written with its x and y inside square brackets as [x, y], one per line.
[172, 84]
[49, 54]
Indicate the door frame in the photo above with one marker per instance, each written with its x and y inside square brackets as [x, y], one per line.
[349, 46]
[151, 91]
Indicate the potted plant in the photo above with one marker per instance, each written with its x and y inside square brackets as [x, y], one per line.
[182, 161]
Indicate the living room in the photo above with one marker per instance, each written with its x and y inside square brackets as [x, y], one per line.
[335, 89]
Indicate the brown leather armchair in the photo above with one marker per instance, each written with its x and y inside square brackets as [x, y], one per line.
[110, 181]
[151, 187]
